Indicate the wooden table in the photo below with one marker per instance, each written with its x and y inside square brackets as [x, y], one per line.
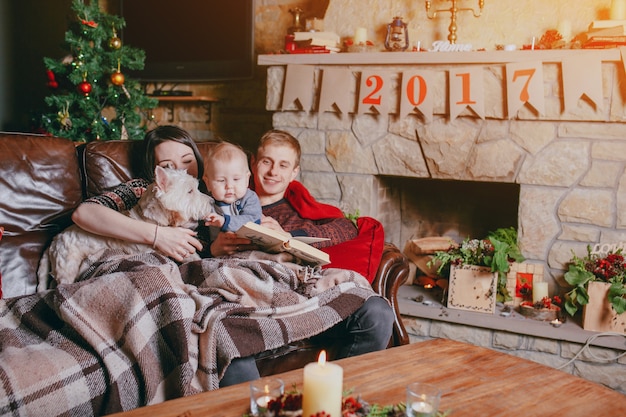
[475, 382]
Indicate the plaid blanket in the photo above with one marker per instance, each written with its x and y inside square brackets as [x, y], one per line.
[138, 330]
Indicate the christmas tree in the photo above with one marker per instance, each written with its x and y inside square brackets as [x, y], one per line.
[90, 98]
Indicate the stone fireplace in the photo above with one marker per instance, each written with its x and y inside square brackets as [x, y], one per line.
[567, 169]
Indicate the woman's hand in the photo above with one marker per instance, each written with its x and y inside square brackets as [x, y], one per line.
[227, 243]
[176, 242]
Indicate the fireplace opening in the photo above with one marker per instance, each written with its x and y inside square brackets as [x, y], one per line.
[452, 208]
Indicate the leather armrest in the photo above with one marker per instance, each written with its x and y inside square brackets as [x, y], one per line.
[393, 271]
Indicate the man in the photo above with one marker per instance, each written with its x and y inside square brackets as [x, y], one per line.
[289, 207]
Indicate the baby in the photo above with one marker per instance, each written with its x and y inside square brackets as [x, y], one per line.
[228, 177]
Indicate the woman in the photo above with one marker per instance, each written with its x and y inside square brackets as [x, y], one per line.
[166, 146]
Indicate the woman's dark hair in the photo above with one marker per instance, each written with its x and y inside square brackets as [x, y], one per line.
[162, 134]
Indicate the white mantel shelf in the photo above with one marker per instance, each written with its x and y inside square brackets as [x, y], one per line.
[434, 58]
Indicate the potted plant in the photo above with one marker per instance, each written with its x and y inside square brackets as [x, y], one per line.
[496, 251]
[609, 268]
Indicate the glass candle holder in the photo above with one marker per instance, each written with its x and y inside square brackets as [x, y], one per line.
[262, 392]
[422, 400]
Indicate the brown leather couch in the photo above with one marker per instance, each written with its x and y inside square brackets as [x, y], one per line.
[44, 178]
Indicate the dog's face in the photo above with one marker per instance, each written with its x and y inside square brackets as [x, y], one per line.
[177, 193]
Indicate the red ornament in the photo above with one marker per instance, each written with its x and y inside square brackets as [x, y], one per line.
[117, 78]
[84, 87]
[52, 82]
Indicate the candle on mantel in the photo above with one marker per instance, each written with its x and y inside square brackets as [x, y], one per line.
[540, 291]
[322, 387]
[618, 10]
[565, 29]
[360, 36]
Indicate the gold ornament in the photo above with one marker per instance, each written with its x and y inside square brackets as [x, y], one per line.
[117, 78]
[115, 43]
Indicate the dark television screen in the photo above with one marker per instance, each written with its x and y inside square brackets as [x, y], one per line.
[191, 40]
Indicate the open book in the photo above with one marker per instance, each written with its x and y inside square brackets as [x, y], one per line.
[274, 241]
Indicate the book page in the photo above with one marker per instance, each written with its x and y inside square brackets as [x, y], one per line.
[309, 239]
[274, 241]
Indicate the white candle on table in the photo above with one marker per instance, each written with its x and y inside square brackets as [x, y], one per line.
[264, 401]
[618, 10]
[322, 388]
[421, 409]
[360, 36]
[540, 291]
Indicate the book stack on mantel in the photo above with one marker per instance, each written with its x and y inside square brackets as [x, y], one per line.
[316, 43]
[604, 34]
[274, 241]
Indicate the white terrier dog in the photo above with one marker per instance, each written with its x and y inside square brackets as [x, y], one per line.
[172, 200]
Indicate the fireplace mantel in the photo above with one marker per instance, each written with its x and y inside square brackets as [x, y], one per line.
[436, 58]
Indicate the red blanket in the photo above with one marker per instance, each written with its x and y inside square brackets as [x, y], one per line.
[361, 254]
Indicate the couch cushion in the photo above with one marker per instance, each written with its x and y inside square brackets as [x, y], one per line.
[107, 164]
[363, 253]
[40, 186]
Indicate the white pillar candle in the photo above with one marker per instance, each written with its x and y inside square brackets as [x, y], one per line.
[360, 36]
[540, 291]
[618, 10]
[322, 388]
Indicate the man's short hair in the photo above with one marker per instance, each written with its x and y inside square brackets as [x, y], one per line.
[280, 137]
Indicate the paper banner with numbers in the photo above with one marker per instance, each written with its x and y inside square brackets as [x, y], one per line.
[524, 84]
[467, 91]
[374, 92]
[415, 93]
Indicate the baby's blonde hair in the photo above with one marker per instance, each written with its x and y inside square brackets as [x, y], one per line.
[228, 152]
